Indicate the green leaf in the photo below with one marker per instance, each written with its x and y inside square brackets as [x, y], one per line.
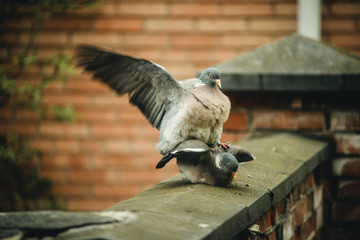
[65, 113]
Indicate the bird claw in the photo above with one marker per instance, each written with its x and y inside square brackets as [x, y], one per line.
[223, 145]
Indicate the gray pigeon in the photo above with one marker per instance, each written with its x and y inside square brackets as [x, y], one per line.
[200, 164]
[190, 109]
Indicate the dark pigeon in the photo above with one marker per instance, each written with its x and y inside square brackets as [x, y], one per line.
[200, 164]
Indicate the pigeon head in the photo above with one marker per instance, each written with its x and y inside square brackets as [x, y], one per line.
[227, 163]
[211, 77]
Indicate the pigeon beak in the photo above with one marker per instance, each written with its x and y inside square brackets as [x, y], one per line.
[218, 82]
[234, 175]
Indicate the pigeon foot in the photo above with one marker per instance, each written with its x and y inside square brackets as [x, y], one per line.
[223, 145]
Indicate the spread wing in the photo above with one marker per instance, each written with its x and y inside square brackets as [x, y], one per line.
[150, 87]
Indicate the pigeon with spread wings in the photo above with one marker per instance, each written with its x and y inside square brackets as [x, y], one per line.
[190, 109]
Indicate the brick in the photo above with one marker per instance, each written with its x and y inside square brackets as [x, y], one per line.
[345, 212]
[55, 86]
[310, 182]
[66, 146]
[345, 9]
[21, 128]
[105, 8]
[85, 86]
[194, 9]
[149, 54]
[103, 39]
[285, 9]
[143, 9]
[44, 38]
[64, 129]
[57, 176]
[202, 55]
[89, 204]
[86, 177]
[272, 25]
[258, 226]
[338, 24]
[319, 218]
[10, 38]
[146, 132]
[131, 114]
[117, 147]
[246, 9]
[169, 25]
[114, 130]
[96, 116]
[175, 55]
[220, 25]
[272, 235]
[144, 40]
[195, 40]
[318, 197]
[115, 191]
[237, 121]
[225, 54]
[345, 40]
[100, 162]
[253, 41]
[91, 146]
[299, 212]
[182, 70]
[43, 145]
[45, 54]
[140, 176]
[287, 230]
[345, 121]
[233, 137]
[307, 229]
[347, 143]
[121, 24]
[67, 23]
[18, 23]
[72, 191]
[288, 120]
[64, 161]
[349, 190]
[140, 147]
[111, 100]
[346, 167]
[6, 113]
[60, 99]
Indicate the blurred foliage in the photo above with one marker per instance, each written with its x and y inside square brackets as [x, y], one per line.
[21, 188]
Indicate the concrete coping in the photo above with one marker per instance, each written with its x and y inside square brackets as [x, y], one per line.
[292, 63]
[177, 209]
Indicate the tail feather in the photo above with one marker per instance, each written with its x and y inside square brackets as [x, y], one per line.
[164, 160]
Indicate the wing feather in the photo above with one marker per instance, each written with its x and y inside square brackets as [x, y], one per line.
[150, 87]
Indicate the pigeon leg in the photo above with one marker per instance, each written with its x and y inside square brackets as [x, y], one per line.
[223, 145]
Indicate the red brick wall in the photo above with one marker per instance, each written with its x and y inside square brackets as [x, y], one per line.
[109, 154]
[298, 216]
[334, 116]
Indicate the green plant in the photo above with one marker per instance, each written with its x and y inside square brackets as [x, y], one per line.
[22, 188]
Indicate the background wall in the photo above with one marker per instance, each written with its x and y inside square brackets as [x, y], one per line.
[109, 154]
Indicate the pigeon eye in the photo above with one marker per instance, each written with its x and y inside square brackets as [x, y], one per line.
[210, 75]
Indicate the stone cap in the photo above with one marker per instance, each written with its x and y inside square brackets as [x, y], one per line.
[295, 63]
[177, 209]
